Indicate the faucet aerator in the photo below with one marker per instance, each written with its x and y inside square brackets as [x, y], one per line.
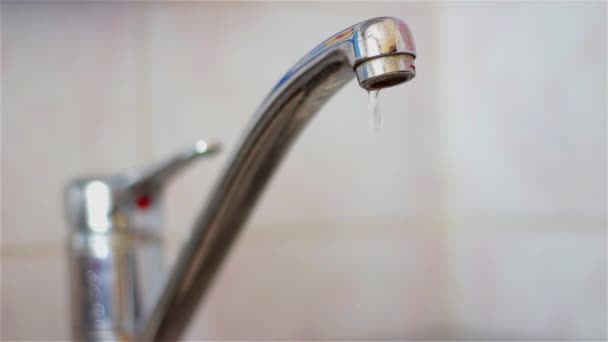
[385, 71]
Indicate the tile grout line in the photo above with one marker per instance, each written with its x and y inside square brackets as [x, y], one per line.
[444, 218]
[142, 88]
[356, 228]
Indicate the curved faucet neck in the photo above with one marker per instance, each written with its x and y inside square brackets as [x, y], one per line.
[295, 99]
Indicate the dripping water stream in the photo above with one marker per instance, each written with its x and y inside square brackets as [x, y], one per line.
[375, 115]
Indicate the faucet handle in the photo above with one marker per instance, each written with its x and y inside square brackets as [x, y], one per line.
[130, 201]
[153, 178]
[140, 195]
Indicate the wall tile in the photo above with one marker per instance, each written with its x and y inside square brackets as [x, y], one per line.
[344, 282]
[528, 281]
[524, 108]
[68, 107]
[35, 303]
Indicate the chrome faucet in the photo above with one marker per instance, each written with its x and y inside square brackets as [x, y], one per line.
[112, 216]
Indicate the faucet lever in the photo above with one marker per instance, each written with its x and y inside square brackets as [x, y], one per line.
[152, 179]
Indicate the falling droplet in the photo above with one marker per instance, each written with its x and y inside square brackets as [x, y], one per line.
[375, 115]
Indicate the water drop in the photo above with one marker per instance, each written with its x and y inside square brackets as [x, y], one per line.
[375, 115]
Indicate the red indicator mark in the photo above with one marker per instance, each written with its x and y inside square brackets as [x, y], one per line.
[143, 201]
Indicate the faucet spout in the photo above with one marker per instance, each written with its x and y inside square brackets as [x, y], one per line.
[379, 51]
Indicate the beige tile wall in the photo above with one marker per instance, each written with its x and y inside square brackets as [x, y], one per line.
[477, 213]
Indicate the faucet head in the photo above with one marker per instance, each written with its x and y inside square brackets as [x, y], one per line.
[384, 53]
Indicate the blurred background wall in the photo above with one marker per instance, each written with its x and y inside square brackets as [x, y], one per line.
[478, 212]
